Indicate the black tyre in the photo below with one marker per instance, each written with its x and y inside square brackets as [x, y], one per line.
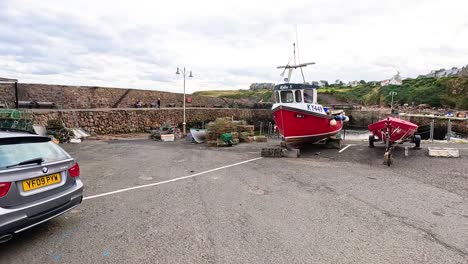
[371, 141]
[417, 141]
[388, 158]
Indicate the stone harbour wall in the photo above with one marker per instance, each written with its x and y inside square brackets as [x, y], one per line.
[115, 121]
[86, 97]
[7, 94]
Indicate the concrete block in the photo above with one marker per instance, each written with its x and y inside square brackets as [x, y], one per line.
[292, 153]
[75, 140]
[167, 137]
[278, 152]
[272, 152]
[444, 152]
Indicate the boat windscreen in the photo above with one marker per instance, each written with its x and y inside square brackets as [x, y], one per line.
[309, 96]
[287, 97]
[277, 97]
[298, 95]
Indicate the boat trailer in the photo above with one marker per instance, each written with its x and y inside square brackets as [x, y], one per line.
[386, 136]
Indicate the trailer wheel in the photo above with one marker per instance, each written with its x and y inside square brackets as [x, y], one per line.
[417, 141]
[388, 160]
[371, 141]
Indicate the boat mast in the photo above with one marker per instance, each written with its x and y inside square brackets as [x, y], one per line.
[298, 55]
[297, 64]
[290, 68]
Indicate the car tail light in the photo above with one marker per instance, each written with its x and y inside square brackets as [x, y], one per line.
[74, 171]
[4, 187]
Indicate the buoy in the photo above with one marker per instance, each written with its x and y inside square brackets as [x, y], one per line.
[333, 122]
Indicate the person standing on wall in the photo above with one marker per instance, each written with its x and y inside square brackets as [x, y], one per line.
[159, 102]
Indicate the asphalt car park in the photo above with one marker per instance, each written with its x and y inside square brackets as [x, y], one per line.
[161, 202]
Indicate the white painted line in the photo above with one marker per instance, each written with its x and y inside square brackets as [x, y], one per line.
[168, 181]
[343, 149]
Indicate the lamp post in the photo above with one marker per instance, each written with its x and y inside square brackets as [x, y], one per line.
[184, 74]
[391, 104]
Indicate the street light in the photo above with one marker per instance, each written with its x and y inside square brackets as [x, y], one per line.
[391, 104]
[184, 74]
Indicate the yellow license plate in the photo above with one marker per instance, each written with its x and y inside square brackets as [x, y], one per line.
[40, 182]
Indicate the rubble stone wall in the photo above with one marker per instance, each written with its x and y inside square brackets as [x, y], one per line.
[86, 97]
[114, 121]
[7, 94]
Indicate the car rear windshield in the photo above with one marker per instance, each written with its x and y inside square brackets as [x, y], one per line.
[15, 153]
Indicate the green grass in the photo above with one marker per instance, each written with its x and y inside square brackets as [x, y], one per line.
[443, 92]
[329, 89]
[256, 95]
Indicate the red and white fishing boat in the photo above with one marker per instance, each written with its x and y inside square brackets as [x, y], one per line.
[393, 131]
[299, 118]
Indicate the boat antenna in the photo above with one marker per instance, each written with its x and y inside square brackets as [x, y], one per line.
[294, 52]
[298, 55]
[290, 68]
[282, 74]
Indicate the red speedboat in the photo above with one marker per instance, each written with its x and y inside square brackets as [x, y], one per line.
[393, 131]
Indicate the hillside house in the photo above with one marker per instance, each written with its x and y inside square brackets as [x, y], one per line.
[453, 72]
[395, 80]
[353, 83]
[257, 86]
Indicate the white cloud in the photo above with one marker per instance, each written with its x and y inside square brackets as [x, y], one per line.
[227, 44]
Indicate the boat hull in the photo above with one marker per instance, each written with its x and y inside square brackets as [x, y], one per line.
[400, 129]
[199, 135]
[299, 127]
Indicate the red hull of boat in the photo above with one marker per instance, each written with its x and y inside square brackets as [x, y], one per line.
[299, 127]
[399, 129]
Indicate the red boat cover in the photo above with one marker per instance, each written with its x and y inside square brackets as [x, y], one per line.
[400, 129]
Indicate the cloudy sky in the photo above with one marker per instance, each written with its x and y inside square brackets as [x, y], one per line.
[227, 44]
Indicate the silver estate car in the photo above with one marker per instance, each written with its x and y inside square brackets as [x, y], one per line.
[38, 181]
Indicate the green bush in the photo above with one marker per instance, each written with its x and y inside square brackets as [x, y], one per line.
[449, 91]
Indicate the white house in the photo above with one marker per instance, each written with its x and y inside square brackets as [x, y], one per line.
[256, 86]
[353, 83]
[323, 83]
[395, 80]
[454, 71]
